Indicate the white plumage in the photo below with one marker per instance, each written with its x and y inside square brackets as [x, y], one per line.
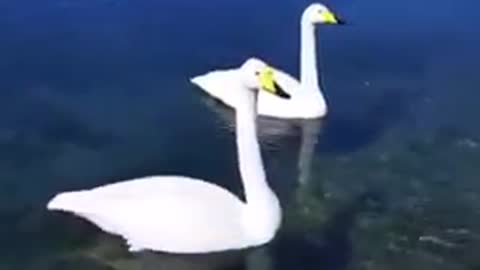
[307, 100]
[180, 214]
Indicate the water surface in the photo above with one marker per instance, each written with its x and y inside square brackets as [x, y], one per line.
[97, 92]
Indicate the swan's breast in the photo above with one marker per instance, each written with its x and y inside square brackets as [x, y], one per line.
[263, 219]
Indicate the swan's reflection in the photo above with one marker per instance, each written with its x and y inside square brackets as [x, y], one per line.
[283, 138]
[108, 252]
[269, 129]
[326, 245]
[272, 132]
[310, 133]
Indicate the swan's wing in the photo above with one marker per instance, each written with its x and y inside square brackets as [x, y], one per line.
[220, 84]
[225, 86]
[176, 214]
[274, 106]
[286, 81]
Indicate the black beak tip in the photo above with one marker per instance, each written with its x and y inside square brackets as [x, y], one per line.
[340, 21]
[280, 92]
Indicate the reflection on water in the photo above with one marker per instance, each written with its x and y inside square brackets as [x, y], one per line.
[109, 252]
[327, 246]
[310, 133]
[276, 135]
[96, 92]
[394, 199]
[342, 210]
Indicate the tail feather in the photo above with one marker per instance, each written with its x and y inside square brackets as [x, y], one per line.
[75, 201]
[80, 204]
[199, 81]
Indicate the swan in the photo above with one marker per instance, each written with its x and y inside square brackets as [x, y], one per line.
[179, 214]
[307, 100]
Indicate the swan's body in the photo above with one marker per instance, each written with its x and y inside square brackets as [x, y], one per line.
[165, 213]
[179, 214]
[307, 100]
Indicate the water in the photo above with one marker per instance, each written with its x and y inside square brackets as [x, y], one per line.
[96, 92]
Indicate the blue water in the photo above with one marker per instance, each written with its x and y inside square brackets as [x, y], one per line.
[93, 92]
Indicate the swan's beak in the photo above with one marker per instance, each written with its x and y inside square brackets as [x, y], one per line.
[268, 83]
[329, 18]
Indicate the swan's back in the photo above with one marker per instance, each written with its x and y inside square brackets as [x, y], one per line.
[171, 213]
[272, 105]
[224, 85]
[303, 104]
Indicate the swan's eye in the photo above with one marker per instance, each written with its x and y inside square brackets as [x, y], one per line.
[257, 73]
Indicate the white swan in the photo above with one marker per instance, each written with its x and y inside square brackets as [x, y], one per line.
[178, 214]
[307, 100]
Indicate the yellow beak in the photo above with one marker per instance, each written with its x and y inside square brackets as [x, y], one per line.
[267, 83]
[329, 17]
[267, 80]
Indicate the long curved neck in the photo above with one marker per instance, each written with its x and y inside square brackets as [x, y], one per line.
[308, 57]
[249, 156]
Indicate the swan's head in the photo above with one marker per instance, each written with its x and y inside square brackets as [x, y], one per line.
[319, 13]
[257, 75]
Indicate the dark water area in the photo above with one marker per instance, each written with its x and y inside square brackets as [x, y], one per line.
[94, 92]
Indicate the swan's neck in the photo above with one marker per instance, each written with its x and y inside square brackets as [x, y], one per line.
[249, 156]
[308, 57]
